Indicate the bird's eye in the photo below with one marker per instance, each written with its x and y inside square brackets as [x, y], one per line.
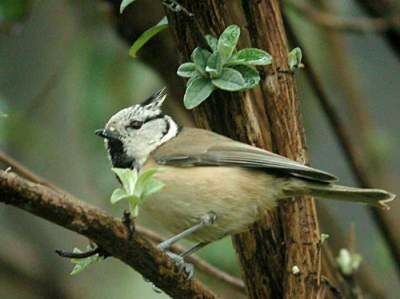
[135, 124]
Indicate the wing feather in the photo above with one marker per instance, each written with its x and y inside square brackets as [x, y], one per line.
[227, 152]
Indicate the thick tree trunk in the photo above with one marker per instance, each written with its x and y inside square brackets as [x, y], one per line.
[267, 117]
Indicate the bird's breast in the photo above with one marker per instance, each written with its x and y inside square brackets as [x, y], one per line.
[236, 195]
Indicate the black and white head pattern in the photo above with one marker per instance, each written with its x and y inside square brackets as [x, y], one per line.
[138, 130]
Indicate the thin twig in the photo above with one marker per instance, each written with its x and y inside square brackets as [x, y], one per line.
[199, 263]
[351, 153]
[349, 24]
[82, 255]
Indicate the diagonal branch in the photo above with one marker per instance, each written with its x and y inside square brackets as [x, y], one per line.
[199, 263]
[105, 230]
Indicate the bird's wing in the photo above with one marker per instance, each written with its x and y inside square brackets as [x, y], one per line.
[200, 147]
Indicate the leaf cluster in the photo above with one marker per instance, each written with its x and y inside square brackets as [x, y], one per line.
[135, 187]
[221, 68]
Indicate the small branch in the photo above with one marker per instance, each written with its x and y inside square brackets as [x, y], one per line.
[82, 255]
[330, 21]
[106, 231]
[199, 263]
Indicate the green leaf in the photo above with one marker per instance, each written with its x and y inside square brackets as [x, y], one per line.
[187, 70]
[230, 80]
[227, 42]
[118, 195]
[153, 186]
[197, 91]
[143, 180]
[294, 59]
[214, 65]
[199, 57]
[147, 35]
[250, 75]
[212, 42]
[124, 4]
[251, 56]
[192, 79]
[128, 178]
[81, 264]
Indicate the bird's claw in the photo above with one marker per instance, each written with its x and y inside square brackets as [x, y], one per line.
[187, 268]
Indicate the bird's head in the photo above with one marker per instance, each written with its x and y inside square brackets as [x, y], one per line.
[133, 133]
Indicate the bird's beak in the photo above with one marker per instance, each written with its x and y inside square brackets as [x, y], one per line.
[107, 134]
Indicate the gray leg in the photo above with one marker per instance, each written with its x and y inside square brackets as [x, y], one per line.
[194, 249]
[206, 220]
[180, 262]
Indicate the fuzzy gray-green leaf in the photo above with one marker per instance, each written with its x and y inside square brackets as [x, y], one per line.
[252, 56]
[227, 42]
[230, 80]
[212, 42]
[214, 65]
[197, 91]
[187, 70]
[250, 75]
[199, 57]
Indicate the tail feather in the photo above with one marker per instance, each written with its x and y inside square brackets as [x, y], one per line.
[373, 197]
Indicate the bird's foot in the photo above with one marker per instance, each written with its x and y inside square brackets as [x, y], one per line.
[208, 218]
[187, 268]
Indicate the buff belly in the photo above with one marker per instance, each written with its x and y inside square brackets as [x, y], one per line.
[235, 195]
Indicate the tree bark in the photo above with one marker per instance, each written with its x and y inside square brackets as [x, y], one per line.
[267, 117]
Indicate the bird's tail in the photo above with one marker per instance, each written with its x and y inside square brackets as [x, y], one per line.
[373, 197]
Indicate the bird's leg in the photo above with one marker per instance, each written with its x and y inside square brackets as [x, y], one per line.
[192, 250]
[206, 220]
[179, 259]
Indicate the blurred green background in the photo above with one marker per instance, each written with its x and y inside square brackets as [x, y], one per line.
[64, 70]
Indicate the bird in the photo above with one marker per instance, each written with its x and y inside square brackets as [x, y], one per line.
[214, 186]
